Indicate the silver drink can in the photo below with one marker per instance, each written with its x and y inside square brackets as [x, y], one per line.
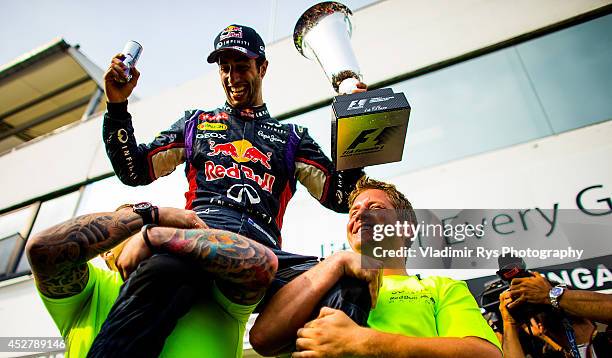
[131, 51]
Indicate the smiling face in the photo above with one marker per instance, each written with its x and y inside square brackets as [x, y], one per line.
[241, 79]
[368, 206]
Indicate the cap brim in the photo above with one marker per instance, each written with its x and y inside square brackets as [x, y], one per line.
[212, 58]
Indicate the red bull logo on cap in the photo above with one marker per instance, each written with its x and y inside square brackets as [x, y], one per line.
[241, 151]
[231, 31]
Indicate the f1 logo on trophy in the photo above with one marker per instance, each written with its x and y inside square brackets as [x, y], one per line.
[367, 128]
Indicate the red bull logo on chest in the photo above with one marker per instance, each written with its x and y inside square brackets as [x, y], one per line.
[241, 151]
[213, 117]
[217, 171]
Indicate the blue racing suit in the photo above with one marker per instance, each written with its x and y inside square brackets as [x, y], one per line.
[242, 167]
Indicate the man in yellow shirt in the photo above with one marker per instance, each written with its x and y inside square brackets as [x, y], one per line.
[432, 317]
[231, 274]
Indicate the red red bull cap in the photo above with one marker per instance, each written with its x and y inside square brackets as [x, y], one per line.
[238, 38]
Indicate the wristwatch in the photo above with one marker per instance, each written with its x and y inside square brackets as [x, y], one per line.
[555, 294]
[148, 212]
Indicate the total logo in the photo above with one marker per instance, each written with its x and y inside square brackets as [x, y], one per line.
[241, 151]
[213, 117]
[217, 171]
[207, 126]
[231, 31]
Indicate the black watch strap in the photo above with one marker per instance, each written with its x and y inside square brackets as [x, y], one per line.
[156, 215]
[145, 236]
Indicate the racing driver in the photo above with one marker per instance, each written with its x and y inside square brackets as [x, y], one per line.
[242, 165]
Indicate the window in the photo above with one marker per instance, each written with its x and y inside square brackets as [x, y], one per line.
[17, 226]
[14, 228]
[51, 212]
[570, 72]
[7, 251]
[55, 211]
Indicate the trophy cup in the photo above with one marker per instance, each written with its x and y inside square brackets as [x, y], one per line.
[367, 128]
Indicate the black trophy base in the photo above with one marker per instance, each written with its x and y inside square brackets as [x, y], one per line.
[369, 128]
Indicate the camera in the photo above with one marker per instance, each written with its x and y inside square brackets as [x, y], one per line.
[510, 267]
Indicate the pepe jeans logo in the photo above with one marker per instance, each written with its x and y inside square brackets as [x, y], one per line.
[271, 137]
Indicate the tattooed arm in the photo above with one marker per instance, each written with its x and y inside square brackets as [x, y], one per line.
[242, 267]
[58, 256]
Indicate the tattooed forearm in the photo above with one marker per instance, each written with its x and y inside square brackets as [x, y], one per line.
[58, 255]
[243, 267]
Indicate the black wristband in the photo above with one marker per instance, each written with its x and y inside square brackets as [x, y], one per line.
[145, 236]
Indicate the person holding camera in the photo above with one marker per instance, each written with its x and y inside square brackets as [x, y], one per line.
[565, 322]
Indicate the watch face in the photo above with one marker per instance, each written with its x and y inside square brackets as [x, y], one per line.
[556, 291]
[142, 206]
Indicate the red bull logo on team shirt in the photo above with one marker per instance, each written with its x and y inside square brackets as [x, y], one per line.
[231, 31]
[247, 112]
[228, 148]
[241, 151]
[217, 171]
[213, 117]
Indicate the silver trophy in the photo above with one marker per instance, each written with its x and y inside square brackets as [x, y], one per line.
[367, 128]
[323, 34]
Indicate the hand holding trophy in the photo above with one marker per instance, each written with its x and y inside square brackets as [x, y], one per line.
[367, 128]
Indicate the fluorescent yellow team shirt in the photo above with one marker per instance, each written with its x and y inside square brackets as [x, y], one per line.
[431, 307]
[213, 328]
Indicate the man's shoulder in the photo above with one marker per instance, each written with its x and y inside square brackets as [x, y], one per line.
[441, 280]
[100, 292]
[444, 285]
